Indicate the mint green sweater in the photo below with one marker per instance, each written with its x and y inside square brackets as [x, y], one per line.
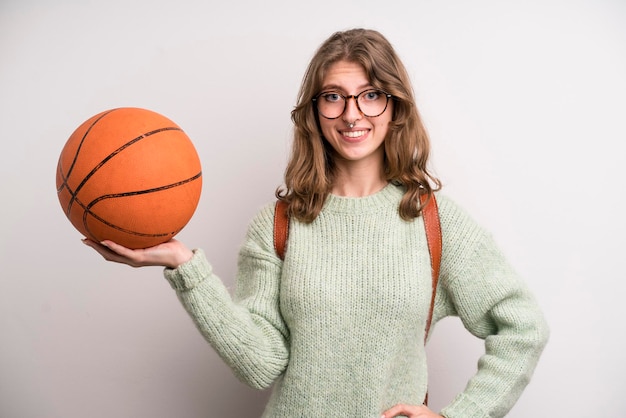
[338, 328]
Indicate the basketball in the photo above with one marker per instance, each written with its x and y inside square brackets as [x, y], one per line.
[129, 175]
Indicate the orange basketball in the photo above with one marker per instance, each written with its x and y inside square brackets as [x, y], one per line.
[129, 175]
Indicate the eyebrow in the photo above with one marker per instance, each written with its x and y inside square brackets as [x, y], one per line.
[362, 87]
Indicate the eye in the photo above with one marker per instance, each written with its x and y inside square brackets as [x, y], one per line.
[332, 97]
[371, 95]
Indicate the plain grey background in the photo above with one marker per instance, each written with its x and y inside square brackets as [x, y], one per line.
[524, 102]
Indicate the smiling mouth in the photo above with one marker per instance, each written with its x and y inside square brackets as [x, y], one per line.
[353, 134]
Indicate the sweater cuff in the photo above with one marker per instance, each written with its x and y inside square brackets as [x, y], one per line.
[190, 274]
[463, 407]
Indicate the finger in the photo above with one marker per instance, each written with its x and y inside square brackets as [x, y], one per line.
[133, 257]
[97, 246]
[411, 411]
[399, 409]
[107, 253]
[117, 248]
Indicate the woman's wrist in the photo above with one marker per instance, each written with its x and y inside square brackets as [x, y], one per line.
[179, 258]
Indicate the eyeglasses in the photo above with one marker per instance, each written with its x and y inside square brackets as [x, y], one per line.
[371, 103]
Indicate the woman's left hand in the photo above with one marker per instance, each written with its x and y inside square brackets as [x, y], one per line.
[411, 411]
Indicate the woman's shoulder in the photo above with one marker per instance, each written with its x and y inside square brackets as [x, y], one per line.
[449, 207]
[260, 234]
[263, 220]
[456, 221]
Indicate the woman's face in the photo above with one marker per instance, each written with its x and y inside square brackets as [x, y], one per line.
[361, 143]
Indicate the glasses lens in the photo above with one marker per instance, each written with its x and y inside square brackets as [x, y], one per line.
[372, 102]
[331, 105]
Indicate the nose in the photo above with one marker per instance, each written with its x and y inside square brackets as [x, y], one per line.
[352, 111]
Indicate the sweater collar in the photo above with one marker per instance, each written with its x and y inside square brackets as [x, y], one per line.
[391, 193]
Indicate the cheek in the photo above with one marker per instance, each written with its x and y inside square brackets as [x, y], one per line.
[382, 127]
[383, 123]
[327, 128]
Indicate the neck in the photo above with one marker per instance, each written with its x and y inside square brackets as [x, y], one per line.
[358, 180]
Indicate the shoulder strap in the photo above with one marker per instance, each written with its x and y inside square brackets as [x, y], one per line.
[281, 228]
[430, 212]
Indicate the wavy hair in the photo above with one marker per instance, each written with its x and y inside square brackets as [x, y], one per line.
[311, 169]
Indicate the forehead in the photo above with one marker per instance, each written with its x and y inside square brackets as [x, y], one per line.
[345, 75]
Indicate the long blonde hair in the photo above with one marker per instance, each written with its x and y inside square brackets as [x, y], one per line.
[310, 171]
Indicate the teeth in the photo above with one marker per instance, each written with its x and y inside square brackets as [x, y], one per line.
[354, 134]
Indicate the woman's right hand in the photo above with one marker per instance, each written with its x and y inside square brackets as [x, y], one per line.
[170, 254]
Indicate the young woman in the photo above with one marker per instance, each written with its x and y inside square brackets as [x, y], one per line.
[338, 327]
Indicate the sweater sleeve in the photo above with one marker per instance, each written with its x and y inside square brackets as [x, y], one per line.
[246, 329]
[482, 288]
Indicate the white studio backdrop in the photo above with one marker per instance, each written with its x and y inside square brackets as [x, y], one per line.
[524, 102]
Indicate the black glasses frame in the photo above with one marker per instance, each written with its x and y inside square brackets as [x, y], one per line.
[356, 100]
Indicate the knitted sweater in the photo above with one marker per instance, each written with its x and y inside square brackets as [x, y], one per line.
[338, 327]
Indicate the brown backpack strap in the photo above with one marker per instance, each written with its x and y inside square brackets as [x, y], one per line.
[430, 212]
[281, 228]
